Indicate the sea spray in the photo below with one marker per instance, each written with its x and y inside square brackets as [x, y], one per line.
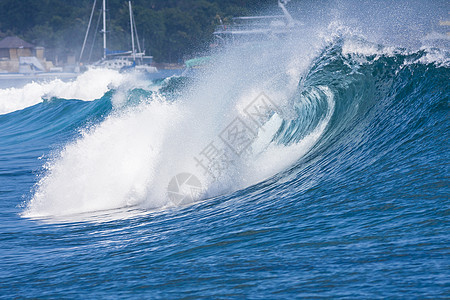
[130, 158]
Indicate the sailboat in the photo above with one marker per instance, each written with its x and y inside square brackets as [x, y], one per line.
[135, 59]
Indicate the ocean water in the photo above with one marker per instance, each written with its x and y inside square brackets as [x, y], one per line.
[315, 168]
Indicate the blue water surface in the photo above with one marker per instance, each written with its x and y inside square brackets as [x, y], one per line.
[364, 214]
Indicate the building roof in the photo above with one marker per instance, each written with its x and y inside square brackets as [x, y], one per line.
[14, 42]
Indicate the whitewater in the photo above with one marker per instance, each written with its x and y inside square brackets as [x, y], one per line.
[312, 167]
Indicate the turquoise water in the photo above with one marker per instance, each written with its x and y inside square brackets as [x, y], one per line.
[342, 191]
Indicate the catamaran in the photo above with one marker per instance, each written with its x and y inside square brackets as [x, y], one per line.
[257, 28]
[246, 30]
[135, 59]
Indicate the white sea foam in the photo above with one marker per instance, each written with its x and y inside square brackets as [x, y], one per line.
[88, 86]
[130, 158]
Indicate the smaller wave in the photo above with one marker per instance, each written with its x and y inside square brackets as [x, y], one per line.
[89, 86]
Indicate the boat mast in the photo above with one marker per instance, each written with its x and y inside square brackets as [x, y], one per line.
[104, 29]
[87, 31]
[132, 31]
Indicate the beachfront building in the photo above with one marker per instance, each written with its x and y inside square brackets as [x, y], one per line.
[19, 56]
